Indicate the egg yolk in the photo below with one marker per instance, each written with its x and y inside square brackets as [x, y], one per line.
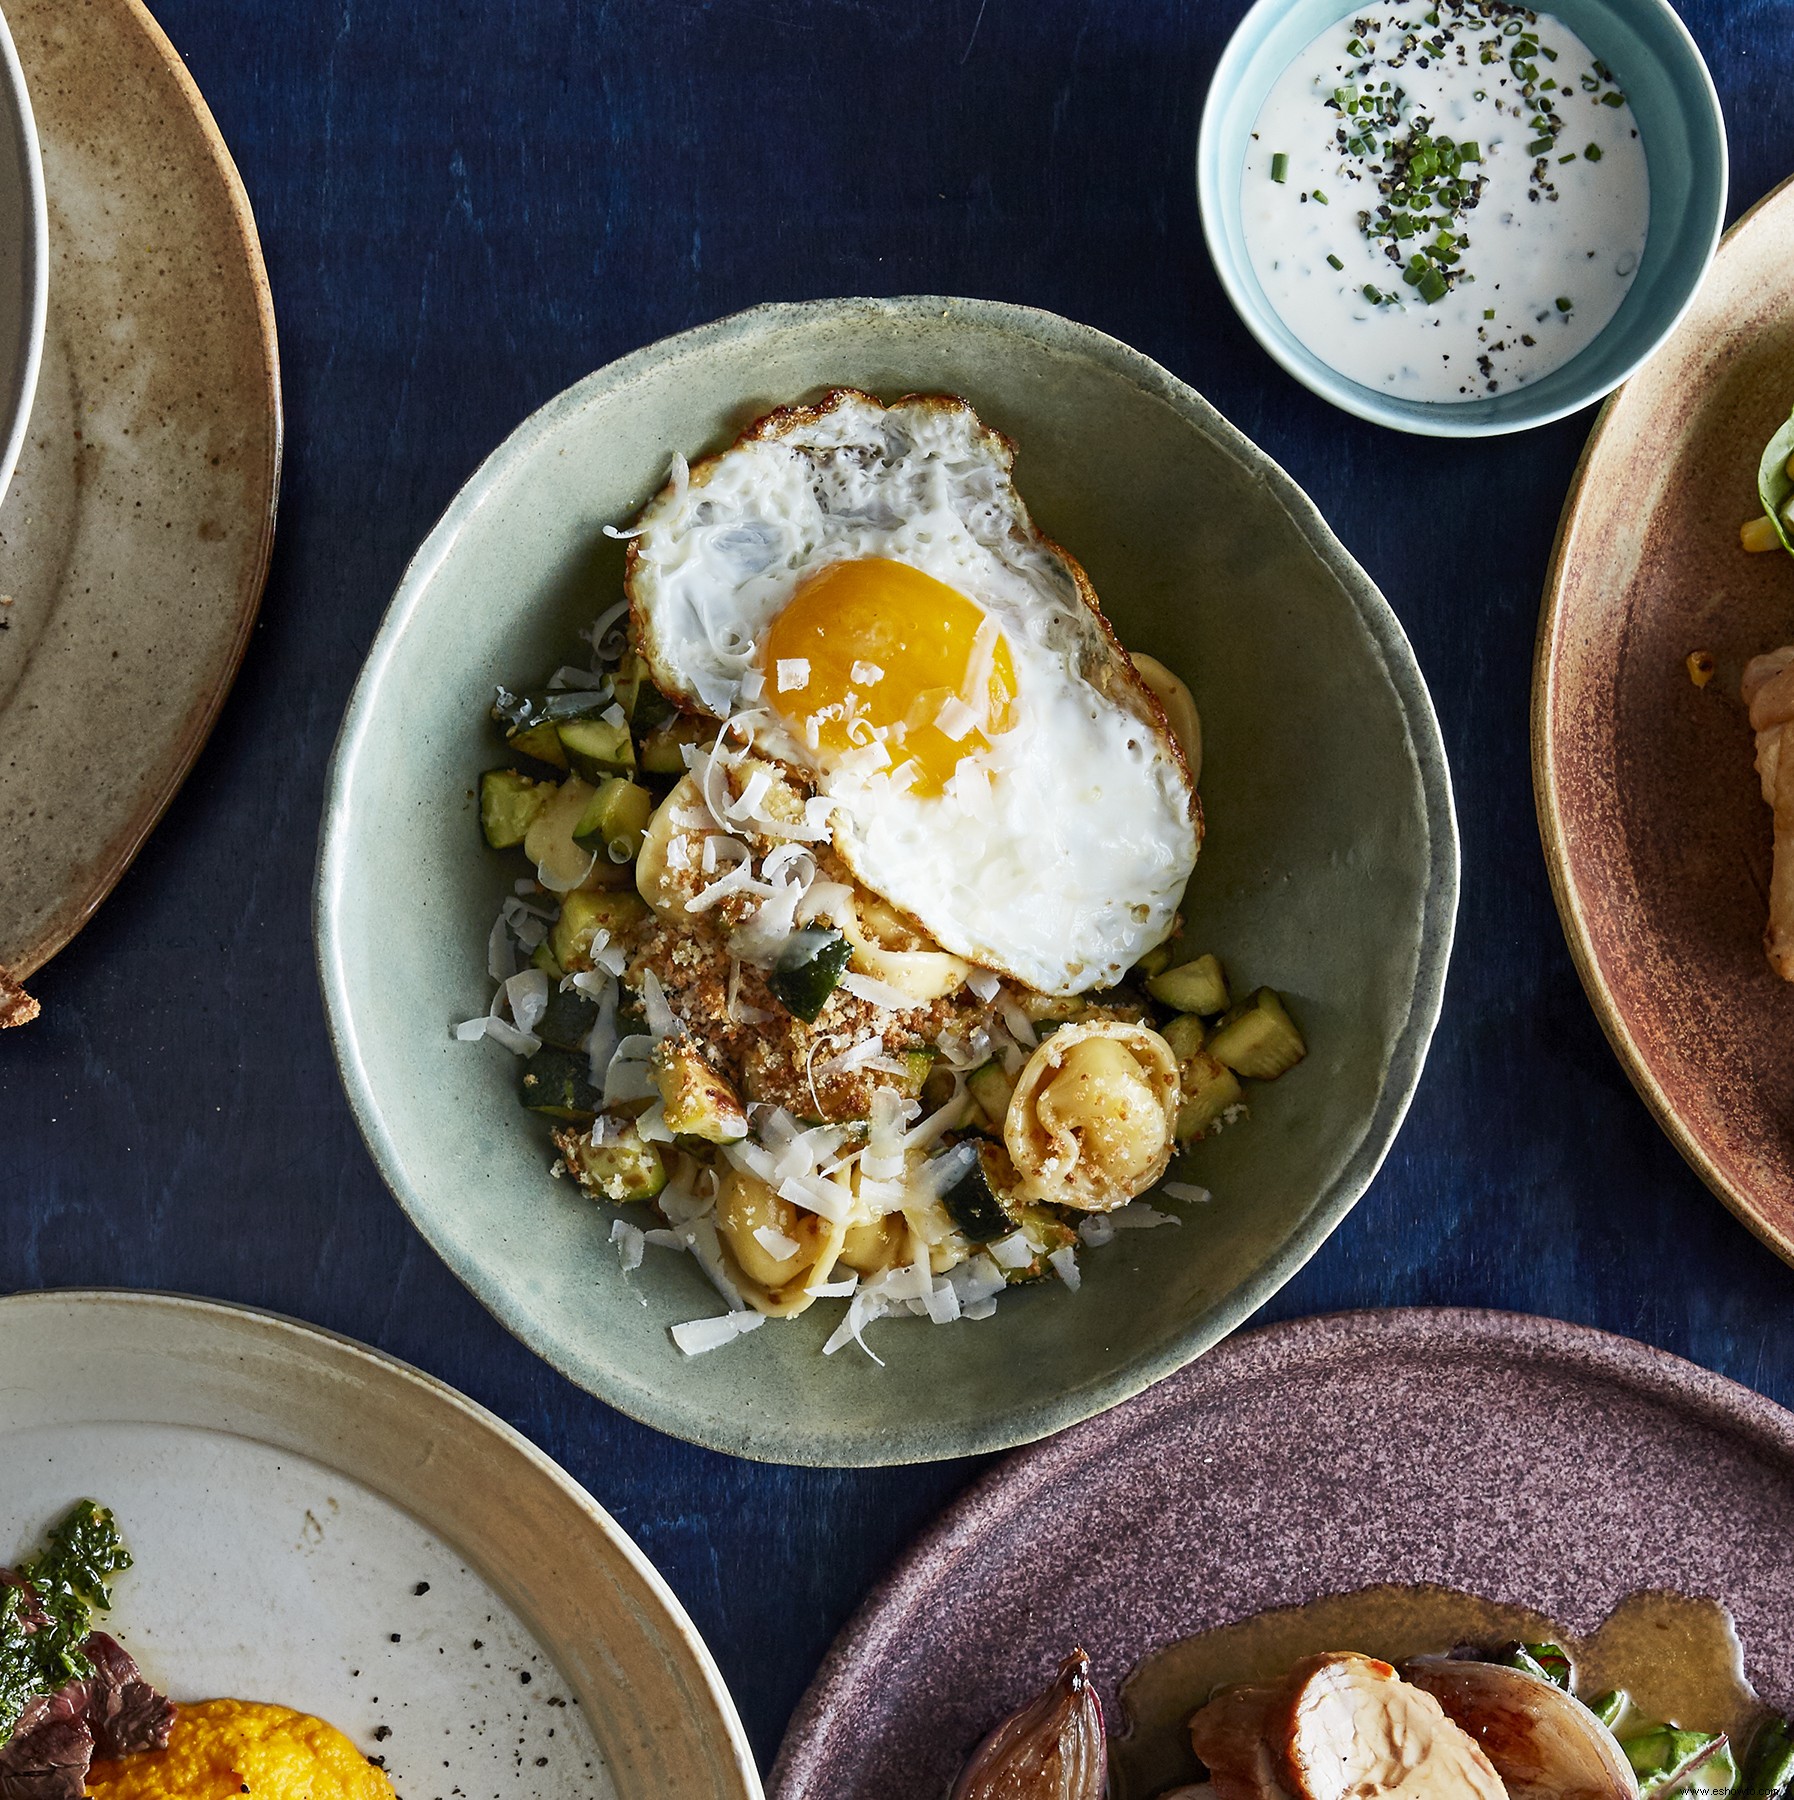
[876, 641]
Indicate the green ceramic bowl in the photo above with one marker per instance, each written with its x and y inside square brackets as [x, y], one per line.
[1330, 871]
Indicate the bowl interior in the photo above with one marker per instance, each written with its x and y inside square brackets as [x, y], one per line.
[1678, 116]
[1329, 871]
[24, 257]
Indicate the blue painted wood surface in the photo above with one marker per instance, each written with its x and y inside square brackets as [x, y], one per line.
[465, 207]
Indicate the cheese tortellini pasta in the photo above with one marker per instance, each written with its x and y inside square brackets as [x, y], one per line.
[1092, 1120]
[780, 1251]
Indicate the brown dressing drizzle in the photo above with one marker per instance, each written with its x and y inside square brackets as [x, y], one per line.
[1679, 1658]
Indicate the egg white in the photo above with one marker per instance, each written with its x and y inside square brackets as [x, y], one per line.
[1058, 855]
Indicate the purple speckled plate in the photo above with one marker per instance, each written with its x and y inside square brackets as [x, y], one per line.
[1518, 1458]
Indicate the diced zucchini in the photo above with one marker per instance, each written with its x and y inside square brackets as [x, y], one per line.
[990, 1086]
[1193, 987]
[938, 1085]
[596, 748]
[614, 819]
[587, 911]
[1186, 1034]
[636, 693]
[918, 1066]
[531, 721]
[663, 748]
[542, 741]
[569, 1019]
[1044, 1232]
[1156, 960]
[549, 841]
[1258, 1039]
[543, 958]
[1209, 1089]
[697, 1101]
[627, 1169]
[558, 1084]
[626, 683]
[808, 970]
[509, 802]
[983, 1201]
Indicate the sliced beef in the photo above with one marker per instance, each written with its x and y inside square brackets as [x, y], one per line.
[113, 1712]
[123, 1711]
[47, 1759]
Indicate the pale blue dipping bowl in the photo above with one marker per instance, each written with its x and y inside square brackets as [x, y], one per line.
[1683, 131]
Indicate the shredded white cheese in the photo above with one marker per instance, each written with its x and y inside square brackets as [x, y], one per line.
[697, 1336]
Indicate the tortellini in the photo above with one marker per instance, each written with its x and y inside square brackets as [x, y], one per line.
[780, 1251]
[653, 875]
[1179, 709]
[1093, 1116]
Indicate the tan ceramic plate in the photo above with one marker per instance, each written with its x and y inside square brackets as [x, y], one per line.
[134, 541]
[1657, 840]
[314, 1523]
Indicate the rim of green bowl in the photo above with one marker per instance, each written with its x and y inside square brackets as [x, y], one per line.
[674, 1411]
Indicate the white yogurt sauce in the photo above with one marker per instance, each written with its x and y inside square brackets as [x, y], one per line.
[1545, 231]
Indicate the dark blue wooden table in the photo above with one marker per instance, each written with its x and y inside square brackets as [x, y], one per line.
[468, 204]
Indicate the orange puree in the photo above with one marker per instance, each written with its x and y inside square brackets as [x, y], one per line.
[224, 1749]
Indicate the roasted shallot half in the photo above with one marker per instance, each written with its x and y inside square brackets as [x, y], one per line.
[1053, 1749]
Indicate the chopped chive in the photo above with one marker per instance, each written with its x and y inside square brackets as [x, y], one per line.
[1280, 167]
[1470, 151]
[1541, 146]
[1571, 157]
[1322, 198]
[1593, 153]
[1432, 286]
[1371, 294]
[1488, 312]
[1334, 260]
[1613, 98]
[1549, 54]
[1564, 305]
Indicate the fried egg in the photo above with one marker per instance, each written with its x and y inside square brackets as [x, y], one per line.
[862, 589]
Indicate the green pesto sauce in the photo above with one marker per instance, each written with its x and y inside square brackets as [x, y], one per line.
[68, 1578]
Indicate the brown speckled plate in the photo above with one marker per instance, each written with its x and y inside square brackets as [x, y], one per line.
[1656, 836]
[1525, 1460]
[134, 540]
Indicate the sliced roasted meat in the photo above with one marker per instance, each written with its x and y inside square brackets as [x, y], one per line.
[1339, 1727]
[111, 1712]
[123, 1711]
[1229, 1735]
[1354, 1729]
[1546, 1743]
[47, 1759]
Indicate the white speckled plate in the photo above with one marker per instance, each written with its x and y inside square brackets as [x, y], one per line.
[315, 1524]
[134, 539]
